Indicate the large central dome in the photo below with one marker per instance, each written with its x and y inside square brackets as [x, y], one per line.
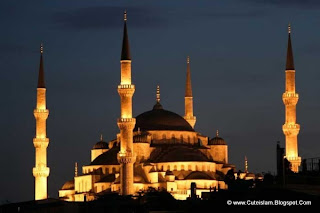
[160, 119]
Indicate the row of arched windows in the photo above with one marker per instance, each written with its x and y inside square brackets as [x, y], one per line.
[106, 170]
[176, 138]
[188, 167]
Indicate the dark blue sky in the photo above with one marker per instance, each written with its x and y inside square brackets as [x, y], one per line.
[237, 50]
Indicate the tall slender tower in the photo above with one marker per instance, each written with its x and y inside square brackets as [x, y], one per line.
[246, 164]
[41, 142]
[290, 99]
[188, 99]
[126, 123]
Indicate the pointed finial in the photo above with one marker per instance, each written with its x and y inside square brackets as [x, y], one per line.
[101, 138]
[217, 133]
[289, 28]
[158, 93]
[41, 48]
[188, 59]
[125, 15]
[76, 169]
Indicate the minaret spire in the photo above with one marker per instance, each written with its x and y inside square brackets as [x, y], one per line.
[289, 63]
[158, 105]
[41, 81]
[126, 122]
[125, 53]
[290, 99]
[188, 98]
[40, 141]
[76, 169]
[158, 93]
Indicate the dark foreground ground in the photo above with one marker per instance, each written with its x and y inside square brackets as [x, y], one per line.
[254, 199]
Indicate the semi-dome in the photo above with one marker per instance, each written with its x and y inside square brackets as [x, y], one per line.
[217, 140]
[161, 119]
[107, 158]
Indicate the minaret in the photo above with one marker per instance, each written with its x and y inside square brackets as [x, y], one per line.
[246, 164]
[188, 99]
[126, 123]
[290, 100]
[76, 169]
[41, 142]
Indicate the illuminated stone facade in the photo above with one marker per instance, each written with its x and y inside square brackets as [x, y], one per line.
[41, 142]
[290, 99]
[158, 149]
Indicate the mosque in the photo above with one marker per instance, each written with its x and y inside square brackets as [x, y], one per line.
[157, 149]
[162, 150]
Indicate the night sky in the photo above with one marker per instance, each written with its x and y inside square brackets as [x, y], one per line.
[237, 50]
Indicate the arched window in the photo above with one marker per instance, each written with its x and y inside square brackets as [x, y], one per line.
[162, 168]
[173, 138]
[189, 140]
[189, 167]
[182, 167]
[113, 170]
[164, 137]
[168, 168]
[175, 168]
[106, 171]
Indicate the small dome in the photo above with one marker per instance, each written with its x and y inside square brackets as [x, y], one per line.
[69, 185]
[217, 140]
[101, 144]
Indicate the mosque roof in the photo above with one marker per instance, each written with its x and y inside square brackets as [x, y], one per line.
[108, 178]
[161, 119]
[107, 158]
[177, 153]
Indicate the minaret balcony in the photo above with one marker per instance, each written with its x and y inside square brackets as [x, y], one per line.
[293, 159]
[126, 86]
[291, 129]
[290, 98]
[126, 123]
[40, 142]
[126, 157]
[41, 113]
[41, 171]
[126, 90]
